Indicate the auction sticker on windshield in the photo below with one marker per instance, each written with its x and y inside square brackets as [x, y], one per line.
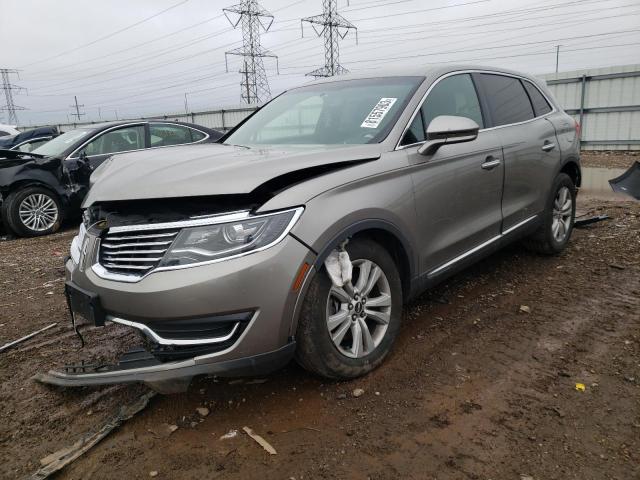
[378, 112]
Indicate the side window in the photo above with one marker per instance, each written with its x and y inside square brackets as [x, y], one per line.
[164, 134]
[454, 95]
[507, 99]
[120, 140]
[196, 135]
[415, 133]
[540, 104]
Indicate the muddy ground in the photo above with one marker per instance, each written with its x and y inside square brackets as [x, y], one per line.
[476, 387]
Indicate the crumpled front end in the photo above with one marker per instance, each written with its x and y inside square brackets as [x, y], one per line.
[198, 311]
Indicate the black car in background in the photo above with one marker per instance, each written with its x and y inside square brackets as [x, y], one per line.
[29, 140]
[40, 188]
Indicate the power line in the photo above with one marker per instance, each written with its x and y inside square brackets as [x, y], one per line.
[105, 37]
[254, 86]
[334, 28]
[8, 88]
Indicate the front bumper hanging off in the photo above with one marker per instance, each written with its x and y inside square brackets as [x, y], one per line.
[171, 377]
[175, 353]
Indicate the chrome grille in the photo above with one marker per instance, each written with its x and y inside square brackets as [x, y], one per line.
[136, 252]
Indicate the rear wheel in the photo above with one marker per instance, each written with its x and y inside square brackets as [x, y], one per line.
[345, 335]
[554, 233]
[32, 211]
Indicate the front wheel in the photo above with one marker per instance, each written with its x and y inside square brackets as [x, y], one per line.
[32, 211]
[344, 335]
[554, 233]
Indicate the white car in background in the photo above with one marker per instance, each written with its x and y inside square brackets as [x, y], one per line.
[8, 130]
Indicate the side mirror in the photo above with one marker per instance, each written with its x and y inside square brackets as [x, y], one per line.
[448, 129]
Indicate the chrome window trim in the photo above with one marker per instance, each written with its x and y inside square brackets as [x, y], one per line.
[71, 155]
[172, 341]
[101, 272]
[459, 72]
[479, 247]
[15, 147]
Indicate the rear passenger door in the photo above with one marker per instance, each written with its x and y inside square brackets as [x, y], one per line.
[457, 189]
[517, 110]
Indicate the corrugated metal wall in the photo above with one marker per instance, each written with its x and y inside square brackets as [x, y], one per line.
[218, 119]
[610, 104]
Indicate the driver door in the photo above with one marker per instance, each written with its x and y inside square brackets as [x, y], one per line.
[458, 189]
[102, 146]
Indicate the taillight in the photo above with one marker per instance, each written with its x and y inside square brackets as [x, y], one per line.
[578, 129]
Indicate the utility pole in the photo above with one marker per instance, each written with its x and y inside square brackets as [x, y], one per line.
[77, 107]
[186, 103]
[334, 27]
[254, 86]
[557, 56]
[8, 88]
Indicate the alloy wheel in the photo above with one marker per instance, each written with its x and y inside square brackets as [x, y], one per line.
[38, 212]
[562, 213]
[358, 316]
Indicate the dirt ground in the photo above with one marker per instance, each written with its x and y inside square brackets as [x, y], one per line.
[476, 387]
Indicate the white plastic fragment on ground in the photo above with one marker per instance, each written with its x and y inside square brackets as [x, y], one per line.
[261, 441]
[339, 268]
[229, 434]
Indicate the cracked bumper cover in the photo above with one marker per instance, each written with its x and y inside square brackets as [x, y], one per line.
[259, 283]
[164, 376]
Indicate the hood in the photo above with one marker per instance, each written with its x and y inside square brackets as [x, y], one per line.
[215, 169]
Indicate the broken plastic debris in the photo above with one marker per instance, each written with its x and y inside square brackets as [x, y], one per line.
[525, 309]
[339, 268]
[229, 434]
[580, 387]
[261, 441]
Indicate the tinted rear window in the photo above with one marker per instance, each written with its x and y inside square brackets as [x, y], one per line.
[507, 99]
[540, 104]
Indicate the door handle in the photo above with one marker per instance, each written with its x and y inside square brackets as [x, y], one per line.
[490, 163]
[548, 146]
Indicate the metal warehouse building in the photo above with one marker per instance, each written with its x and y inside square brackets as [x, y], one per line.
[606, 102]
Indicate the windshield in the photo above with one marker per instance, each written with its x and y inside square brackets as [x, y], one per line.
[59, 144]
[348, 112]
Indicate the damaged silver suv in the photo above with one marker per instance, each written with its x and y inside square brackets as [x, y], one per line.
[305, 229]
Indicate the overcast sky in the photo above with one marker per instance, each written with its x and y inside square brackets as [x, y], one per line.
[114, 57]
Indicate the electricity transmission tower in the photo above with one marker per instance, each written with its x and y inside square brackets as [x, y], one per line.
[334, 27]
[77, 107]
[252, 18]
[8, 88]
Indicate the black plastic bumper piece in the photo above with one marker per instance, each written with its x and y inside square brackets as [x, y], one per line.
[174, 377]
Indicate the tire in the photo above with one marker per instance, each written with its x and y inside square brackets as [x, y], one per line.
[545, 240]
[316, 350]
[45, 203]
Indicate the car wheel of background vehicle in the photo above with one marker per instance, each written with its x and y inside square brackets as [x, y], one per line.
[31, 212]
[342, 335]
[554, 233]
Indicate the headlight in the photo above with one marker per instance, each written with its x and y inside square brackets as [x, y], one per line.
[222, 240]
